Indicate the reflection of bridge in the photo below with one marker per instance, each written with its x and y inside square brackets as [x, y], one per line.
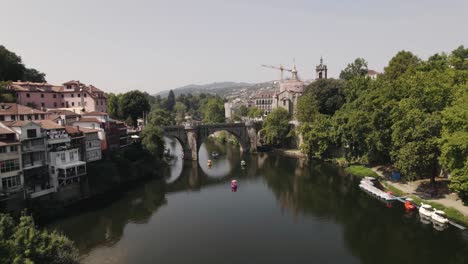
[192, 136]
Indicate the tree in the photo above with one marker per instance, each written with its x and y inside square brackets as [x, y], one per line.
[328, 93]
[23, 243]
[213, 111]
[402, 62]
[454, 144]
[354, 69]
[160, 117]
[254, 112]
[33, 75]
[243, 111]
[13, 69]
[152, 139]
[459, 58]
[170, 103]
[5, 96]
[276, 127]
[133, 104]
[180, 110]
[113, 103]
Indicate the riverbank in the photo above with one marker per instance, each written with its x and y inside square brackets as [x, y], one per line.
[294, 153]
[450, 203]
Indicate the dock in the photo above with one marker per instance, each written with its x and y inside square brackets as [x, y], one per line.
[368, 186]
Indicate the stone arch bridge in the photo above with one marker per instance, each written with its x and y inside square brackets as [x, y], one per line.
[191, 137]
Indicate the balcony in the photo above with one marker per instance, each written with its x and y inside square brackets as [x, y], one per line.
[34, 164]
[32, 148]
[40, 193]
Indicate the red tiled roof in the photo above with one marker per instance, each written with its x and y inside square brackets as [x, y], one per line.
[16, 109]
[4, 130]
[88, 130]
[48, 124]
[18, 123]
[88, 119]
[95, 113]
[372, 72]
[62, 112]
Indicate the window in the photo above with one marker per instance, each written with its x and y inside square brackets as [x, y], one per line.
[73, 103]
[42, 95]
[32, 133]
[2, 149]
[2, 118]
[63, 104]
[84, 95]
[62, 95]
[55, 104]
[55, 96]
[10, 182]
[22, 117]
[72, 95]
[72, 156]
[13, 118]
[36, 117]
[42, 104]
[284, 102]
[42, 116]
[69, 86]
[79, 95]
[27, 95]
[62, 157]
[9, 165]
[13, 148]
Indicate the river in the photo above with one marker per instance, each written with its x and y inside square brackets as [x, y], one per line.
[284, 211]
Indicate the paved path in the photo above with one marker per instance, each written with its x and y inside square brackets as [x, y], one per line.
[449, 200]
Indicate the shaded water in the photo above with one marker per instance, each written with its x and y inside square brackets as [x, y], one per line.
[283, 212]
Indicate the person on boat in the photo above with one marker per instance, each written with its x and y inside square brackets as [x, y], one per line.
[409, 205]
[209, 163]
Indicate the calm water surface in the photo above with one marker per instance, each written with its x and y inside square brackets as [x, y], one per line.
[285, 211]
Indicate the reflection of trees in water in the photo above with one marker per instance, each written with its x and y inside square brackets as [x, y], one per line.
[372, 232]
[105, 225]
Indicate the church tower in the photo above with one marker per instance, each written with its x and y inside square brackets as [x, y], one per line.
[321, 70]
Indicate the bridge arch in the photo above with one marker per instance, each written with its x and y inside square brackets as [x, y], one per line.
[191, 137]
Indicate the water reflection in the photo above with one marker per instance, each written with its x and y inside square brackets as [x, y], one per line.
[176, 164]
[285, 211]
[222, 165]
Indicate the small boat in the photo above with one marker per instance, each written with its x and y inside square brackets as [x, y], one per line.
[209, 163]
[438, 218]
[243, 163]
[425, 211]
[234, 185]
[409, 206]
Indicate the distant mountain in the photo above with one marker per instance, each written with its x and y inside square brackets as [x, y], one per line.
[228, 90]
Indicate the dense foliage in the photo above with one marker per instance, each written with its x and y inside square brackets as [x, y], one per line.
[128, 106]
[276, 129]
[23, 243]
[13, 69]
[414, 115]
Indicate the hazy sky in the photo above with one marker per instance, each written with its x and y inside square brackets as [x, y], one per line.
[157, 45]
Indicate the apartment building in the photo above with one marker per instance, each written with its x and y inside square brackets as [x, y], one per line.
[11, 178]
[72, 95]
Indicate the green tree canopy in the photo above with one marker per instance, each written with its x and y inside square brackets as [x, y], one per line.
[23, 243]
[170, 103]
[254, 112]
[276, 127]
[13, 69]
[402, 62]
[133, 104]
[328, 93]
[213, 111]
[354, 69]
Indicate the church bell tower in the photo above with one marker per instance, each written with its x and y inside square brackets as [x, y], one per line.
[321, 70]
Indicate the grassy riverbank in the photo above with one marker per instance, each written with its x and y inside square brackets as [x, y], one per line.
[361, 171]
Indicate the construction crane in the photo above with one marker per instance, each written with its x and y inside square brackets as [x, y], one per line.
[281, 68]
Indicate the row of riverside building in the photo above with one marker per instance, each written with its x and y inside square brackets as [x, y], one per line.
[47, 147]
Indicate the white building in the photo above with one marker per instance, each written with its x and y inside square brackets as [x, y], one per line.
[64, 162]
[10, 161]
[92, 144]
[33, 158]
